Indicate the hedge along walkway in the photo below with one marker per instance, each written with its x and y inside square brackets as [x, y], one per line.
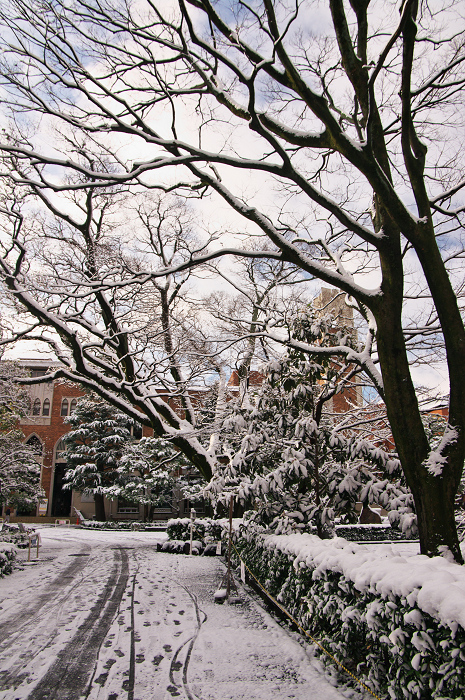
[396, 621]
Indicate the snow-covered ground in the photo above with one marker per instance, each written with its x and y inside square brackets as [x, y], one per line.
[104, 616]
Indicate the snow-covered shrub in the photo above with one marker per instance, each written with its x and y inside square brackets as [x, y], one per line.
[460, 520]
[181, 547]
[12, 535]
[396, 622]
[205, 528]
[7, 558]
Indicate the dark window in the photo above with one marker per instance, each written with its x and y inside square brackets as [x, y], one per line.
[46, 408]
[60, 451]
[73, 405]
[64, 407]
[38, 372]
[127, 507]
[136, 431]
[36, 445]
[198, 506]
[36, 408]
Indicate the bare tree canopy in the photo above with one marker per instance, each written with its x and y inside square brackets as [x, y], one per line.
[328, 130]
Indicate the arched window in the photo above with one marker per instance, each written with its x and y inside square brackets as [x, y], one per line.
[46, 407]
[64, 407]
[36, 445]
[60, 451]
[73, 405]
[36, 408]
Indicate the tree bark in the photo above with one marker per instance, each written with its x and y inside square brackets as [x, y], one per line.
[99, 507]
[433, 495]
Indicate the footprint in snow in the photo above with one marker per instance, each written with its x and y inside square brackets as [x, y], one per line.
[102, 679]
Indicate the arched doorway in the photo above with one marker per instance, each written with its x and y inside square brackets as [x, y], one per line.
[61, 499]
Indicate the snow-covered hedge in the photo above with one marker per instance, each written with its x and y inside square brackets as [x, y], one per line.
[115, 525]
[204, 528]
[398, 622]
[7, 558]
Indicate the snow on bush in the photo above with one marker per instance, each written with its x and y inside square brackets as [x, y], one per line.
[7, 558]
[181, 547]
[204, 529]
[11, 534]
[398, 622]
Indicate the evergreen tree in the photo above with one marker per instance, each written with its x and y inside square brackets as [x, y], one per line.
[19, 468]
[154, 473]
[106, 460]
[93, 448]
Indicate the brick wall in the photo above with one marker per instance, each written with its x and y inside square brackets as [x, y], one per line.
[50, 434]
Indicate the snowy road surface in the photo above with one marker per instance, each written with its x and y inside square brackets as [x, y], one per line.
[103, 616]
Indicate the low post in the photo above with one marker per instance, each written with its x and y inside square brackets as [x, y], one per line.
[193, 514]
[34, 540]
[228, 583]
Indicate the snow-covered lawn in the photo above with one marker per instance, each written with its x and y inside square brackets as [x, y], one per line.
[104, 616]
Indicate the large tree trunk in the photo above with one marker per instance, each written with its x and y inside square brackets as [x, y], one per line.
[433, 495]
[99, 507]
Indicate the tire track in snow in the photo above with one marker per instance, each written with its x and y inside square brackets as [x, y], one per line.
[12, 628]
[68, 676]
[42, 615]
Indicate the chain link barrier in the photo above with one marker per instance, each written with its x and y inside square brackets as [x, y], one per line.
[299, 626]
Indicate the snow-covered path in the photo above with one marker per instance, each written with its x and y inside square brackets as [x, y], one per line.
[103, 616]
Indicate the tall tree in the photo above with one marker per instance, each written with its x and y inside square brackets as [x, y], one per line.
[295, 461]
[19, 466]
[340, 113]
[94, 446]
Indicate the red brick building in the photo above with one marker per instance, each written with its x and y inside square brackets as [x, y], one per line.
[44, 428]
